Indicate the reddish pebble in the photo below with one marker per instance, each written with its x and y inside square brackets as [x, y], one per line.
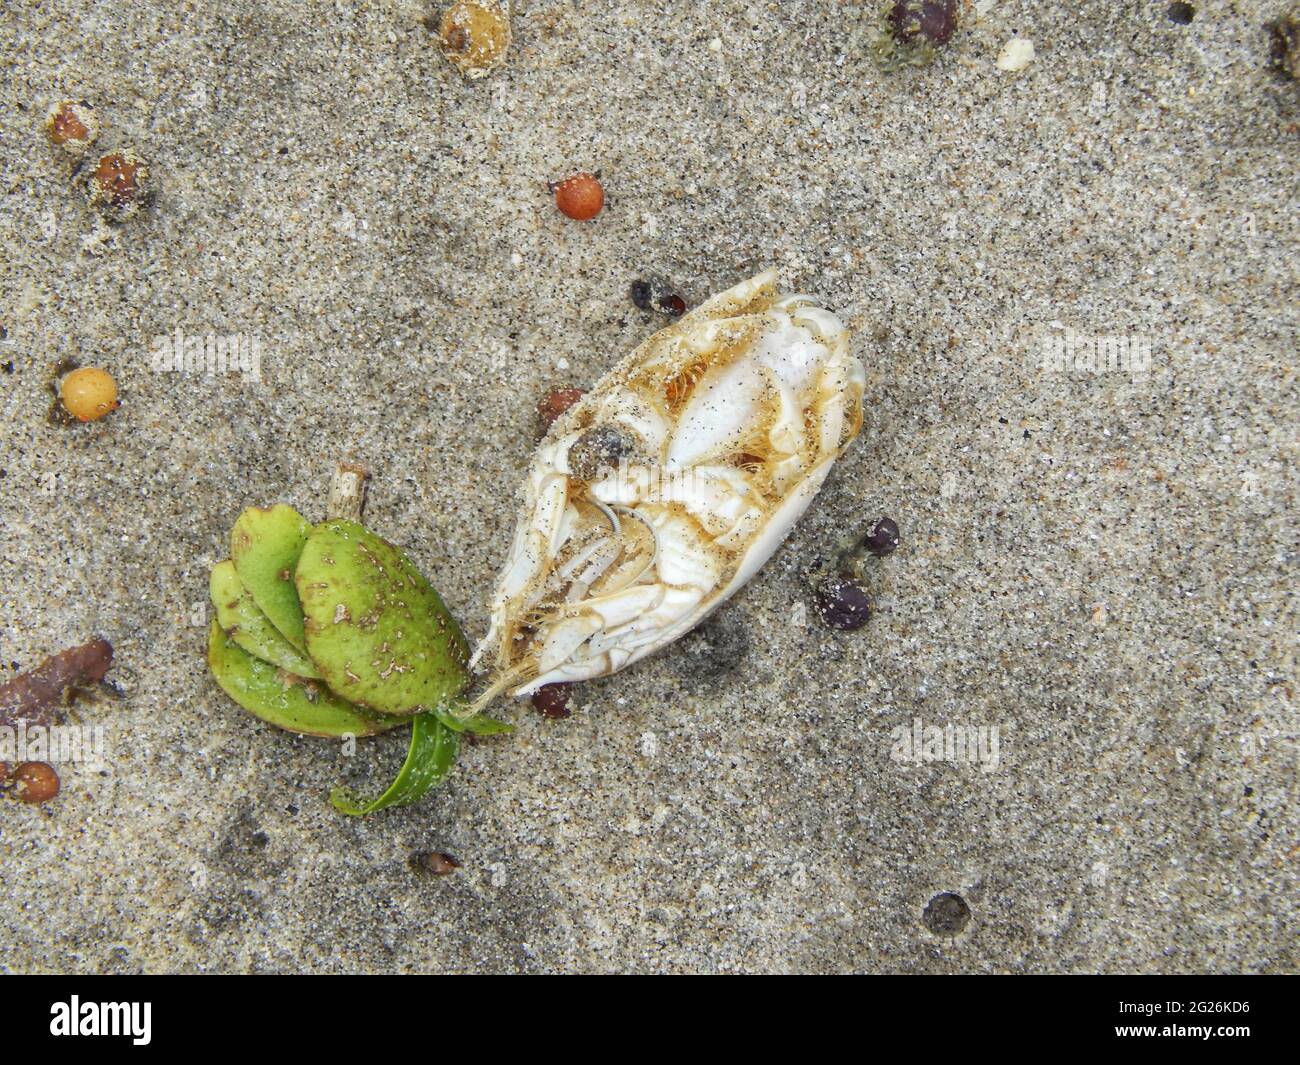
[580, 197]
[555, 403]
[552, 700]
[119, 185]
[35, 782]
[72, 126]
[673, 304]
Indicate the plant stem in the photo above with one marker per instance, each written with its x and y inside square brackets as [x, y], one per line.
[347, 492]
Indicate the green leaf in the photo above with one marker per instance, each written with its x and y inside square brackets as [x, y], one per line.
[375, 628]
[251, 629]
[478, 724]
[298, 704]
[264, 545]
[428, 760]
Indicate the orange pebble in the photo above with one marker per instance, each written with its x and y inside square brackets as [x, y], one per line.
[580, 197]
[89, 393]
[35, 782]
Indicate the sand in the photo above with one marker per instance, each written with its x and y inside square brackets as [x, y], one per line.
[1095, 563]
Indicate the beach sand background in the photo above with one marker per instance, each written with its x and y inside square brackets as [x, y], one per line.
[1098, 564]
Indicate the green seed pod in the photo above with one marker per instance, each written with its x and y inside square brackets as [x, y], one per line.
[377, 631]
[265, 544]
[251, 629]
[284, 700]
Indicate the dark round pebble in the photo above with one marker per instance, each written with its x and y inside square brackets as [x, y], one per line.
[842, 603]
[931, 20]
[552, 700]
[598, 451]
[883, 537]
[642, 292]
[946, 914]
[1283, 42]
[1181, 14]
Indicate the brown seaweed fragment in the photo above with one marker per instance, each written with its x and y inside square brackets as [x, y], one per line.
[39, 696]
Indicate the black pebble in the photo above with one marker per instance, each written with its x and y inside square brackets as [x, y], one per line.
[552, 700]
[883, 537]
[932, 20]
[842, 603]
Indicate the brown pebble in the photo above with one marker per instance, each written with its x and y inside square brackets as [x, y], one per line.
[119, 185]
[439, 863]
[552, 700]
[72, 126]
[35, 782]
[554, 404]
[673, 304]
[38, 696]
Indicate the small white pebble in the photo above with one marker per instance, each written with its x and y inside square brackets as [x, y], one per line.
[516, 258]
[649, 744]
[561, 363]
[1017, 54]
[715, 45]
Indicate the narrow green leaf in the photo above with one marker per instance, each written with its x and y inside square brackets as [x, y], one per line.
[478, 724]
[428, 760]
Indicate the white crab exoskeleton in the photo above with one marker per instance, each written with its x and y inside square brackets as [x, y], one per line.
[666, 487]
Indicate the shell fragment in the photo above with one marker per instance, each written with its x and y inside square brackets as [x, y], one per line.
[658, 495]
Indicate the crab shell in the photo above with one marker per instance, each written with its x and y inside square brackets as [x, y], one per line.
[663, 490]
